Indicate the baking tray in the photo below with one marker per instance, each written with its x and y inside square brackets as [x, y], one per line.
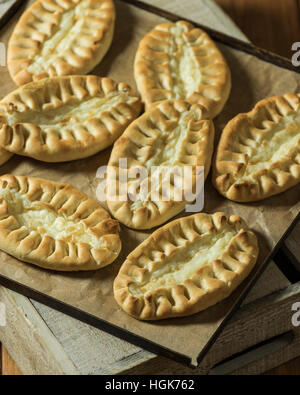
[88, 297]
[7, 9]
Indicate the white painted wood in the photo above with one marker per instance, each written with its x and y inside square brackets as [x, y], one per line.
[63, 345]
[28, 339]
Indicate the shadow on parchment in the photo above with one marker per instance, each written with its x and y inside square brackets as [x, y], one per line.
[122, 38]
[242, 94]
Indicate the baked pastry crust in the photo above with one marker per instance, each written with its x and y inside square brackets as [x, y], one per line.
[186, 266]
[55, 226]
[179, 61]
[259, 152]
[66, 118]
[172, 134]
[55, 37]
[4, 156]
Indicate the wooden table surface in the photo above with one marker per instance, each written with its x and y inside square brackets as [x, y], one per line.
[270, 24]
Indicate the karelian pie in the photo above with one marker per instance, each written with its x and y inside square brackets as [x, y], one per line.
[186, 266]
[259, 152]
[55, 226]
[171, 136]
[179, 61]
[60, 37]
[66, 118]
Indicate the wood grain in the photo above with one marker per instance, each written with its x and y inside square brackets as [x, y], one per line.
[7, 9]
[273, 25]
[8, 366]
[269, 24]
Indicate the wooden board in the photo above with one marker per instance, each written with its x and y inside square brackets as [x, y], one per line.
[82, 351]
[216, 34]
[273, 25]
[293, 247]
[142, 23]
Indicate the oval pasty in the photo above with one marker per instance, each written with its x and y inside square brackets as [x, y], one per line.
[171, 135]
[186, 266]
[55, 226]
[178, 61]
[56, 37]
[66, 118]
[259, 152]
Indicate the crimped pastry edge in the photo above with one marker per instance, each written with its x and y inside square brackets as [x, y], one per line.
[21, 48]
[46, 252]
[151, 215]
[218, 278]
[4, 156]
[28, 139]
[143, 71]
[269, 182]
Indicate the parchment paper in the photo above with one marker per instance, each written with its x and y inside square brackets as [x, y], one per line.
[91, 292]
